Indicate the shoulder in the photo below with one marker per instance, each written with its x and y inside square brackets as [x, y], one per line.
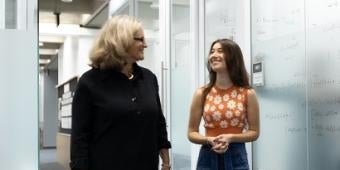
[251, 92]
[146, 72]
[197, 97]
[148, 75]
[89, 74]
[199, 92]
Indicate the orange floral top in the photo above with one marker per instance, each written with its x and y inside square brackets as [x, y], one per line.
[225, 110]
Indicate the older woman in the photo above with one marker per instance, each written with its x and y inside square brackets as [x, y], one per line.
[117, 121]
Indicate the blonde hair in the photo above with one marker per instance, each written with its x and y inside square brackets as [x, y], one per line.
[115, 38]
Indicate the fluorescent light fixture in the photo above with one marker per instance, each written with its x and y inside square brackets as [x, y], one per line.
[48, 51]
[67, 1]
[44, 61]
[85, 17]
[41, 44]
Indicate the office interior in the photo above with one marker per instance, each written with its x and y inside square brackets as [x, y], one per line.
[291, 51]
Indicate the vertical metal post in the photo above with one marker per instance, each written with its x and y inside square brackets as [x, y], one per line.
[2, 14]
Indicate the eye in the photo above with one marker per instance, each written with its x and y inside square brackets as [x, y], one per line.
[141, 39]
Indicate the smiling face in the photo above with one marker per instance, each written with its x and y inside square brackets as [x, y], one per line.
[136, 51]
[217, 58]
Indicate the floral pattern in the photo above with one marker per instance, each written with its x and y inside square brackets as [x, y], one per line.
[217, 99]
[231, 104]
[217, 116]
[224, 124]
[225, 109]
[220, 106]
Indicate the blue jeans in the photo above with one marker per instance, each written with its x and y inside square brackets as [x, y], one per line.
[235, 158]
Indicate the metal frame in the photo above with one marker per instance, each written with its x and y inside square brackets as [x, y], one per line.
[22, 15]
[2, 14]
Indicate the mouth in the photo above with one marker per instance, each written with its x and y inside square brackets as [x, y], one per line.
[215, 61]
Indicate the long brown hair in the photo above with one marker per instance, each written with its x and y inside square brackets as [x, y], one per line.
[235, 66]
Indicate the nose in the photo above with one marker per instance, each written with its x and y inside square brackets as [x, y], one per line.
[213, 55]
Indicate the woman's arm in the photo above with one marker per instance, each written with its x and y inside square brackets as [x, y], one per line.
[81, 110]
[163, 142]
[196, 112]
[164, 153]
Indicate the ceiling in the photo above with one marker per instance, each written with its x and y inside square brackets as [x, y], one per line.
[85, 13]
[70, 13]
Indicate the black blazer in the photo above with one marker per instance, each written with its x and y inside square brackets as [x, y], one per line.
[117, 123]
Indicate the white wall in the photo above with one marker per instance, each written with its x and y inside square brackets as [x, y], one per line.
[50, 112]
[67, 58]
[73, 57]
[84, 46]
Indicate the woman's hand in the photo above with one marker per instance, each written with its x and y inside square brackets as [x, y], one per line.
[210, 140]
[164, 153]
[221, 143]
[165, 167]
[220, 147]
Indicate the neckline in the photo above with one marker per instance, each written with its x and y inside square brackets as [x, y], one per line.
[223, 89]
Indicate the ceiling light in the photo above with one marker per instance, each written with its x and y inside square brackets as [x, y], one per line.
[45, 51]
[44, 61]
[41, 44]
[67, 1]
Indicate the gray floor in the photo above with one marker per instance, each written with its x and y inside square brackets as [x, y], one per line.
[48, 160]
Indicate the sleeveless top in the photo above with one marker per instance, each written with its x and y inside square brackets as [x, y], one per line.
[225, 110]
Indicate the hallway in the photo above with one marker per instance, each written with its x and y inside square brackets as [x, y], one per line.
[48, 160]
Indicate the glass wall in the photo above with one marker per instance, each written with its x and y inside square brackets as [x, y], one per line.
[323, 52]
[298, 43]
[181, 83]
[228, 19]
[19, 86]
[148, 13]
[278, 40]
